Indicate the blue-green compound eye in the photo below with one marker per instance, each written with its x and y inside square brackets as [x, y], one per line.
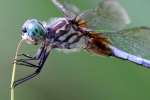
[33, 31]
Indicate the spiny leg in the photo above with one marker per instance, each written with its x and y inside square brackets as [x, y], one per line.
[16, 83]
[35, 57]
[26, 61]
[39, 66]
[25, 55]
[28, 64]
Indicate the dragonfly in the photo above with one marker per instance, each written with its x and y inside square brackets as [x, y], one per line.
[101, 31]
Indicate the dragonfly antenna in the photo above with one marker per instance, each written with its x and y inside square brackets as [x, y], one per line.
[14, 70]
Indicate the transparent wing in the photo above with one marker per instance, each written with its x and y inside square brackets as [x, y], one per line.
[109, 15]
[135, 41]
[66, 7]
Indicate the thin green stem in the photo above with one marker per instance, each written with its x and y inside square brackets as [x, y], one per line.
[14, 70]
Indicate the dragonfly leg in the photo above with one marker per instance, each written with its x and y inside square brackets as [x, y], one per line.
[36, 56]
[17, 82]
[25, 63]
[23, 59]
[25, 55]
[39, 66]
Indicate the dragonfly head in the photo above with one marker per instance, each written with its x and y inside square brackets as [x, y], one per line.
[33, 32]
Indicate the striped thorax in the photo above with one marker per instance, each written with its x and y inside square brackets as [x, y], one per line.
[64, 34]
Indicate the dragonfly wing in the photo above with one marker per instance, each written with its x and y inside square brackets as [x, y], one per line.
[135, 41]
[68, 9]
[72, 8]
[109, 15]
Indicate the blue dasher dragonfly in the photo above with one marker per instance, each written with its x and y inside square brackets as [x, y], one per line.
[100, 30]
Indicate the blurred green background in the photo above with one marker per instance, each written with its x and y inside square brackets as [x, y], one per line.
[74, 76]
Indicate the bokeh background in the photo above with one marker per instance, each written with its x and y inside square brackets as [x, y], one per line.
[74, 76]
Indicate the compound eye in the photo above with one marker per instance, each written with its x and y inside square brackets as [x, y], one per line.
[24, 30]
[36, 30]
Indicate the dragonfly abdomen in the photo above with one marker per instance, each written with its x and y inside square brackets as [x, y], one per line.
[123, 55]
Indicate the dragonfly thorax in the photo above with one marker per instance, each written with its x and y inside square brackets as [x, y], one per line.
[63, 34]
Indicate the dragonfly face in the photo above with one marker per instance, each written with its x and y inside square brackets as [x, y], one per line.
[33, 32]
